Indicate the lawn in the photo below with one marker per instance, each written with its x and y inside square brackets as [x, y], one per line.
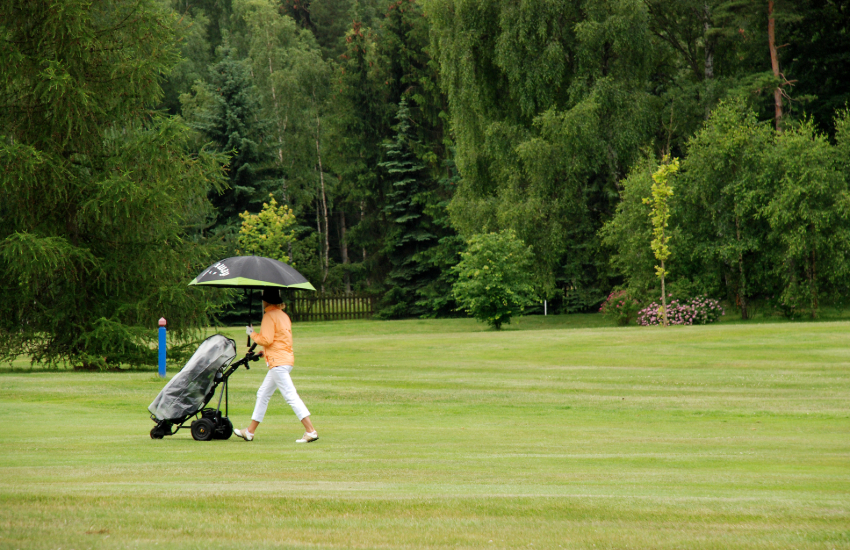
[552, 433]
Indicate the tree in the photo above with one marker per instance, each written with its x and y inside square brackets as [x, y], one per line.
[435, 294]
[97, 194]
[279, 54]
[809, 216]
[412, 231]
[192, 29]
[226, 112]
[629, 229]
[817, 59]
[660, 216]
[550, 104]
[269, 233]
[493, 282]
[380, 69]
[721, 198]
[328, 20]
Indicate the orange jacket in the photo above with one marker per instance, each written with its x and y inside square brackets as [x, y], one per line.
[276, 337]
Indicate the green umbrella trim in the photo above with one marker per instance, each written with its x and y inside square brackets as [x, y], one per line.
[243, 281]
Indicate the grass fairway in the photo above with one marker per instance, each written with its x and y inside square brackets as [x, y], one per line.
[440, 434]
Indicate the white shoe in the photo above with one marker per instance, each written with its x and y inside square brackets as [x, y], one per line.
[244, 434]
[308, 437]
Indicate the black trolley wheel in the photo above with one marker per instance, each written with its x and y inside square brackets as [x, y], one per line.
[162, 429]
[203, 429]
[224, 429]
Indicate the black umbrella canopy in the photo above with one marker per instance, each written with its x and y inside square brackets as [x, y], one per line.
[251, 272]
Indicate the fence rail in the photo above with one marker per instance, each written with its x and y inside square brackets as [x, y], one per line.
[332, 307]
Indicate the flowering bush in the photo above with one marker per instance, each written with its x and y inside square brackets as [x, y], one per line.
[620, 306]
[698, 311]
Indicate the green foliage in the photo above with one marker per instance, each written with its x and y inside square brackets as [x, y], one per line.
[286, 65]
[225, 112]
[722, 195]
[383, 71]
[659, 215]
[809, 216]
[620, 307]
[192, 30]
[761, 217]
[411, 231]
[328, 20]
[494, 281]
[628, 231]
[552, 110]
[291, 82]
[99, 198]
[435, 295]
[269, 233]
[550, 105]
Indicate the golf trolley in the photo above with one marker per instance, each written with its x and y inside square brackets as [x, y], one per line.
[187, 394]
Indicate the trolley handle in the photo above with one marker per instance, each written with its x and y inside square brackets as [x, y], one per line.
[250, 356]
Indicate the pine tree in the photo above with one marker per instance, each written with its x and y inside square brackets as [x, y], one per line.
[228, 116]
[411, 231]
[97, 194]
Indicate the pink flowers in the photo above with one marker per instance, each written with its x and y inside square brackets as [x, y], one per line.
[698, 311]
[620, 307]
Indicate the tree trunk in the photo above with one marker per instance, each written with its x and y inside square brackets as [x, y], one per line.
[742, 282]
[326, 262]
[274, 100]
[709, 43]
[319, 231]
[669, 131]
[774, 62]
[708, 59]
[663, 297]
[343, 245]
[280, 125]
[363, 217]
[813, 284]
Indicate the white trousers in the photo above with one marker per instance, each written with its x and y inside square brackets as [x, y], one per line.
[278, 379]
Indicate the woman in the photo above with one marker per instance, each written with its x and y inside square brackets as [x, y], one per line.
[276, 338]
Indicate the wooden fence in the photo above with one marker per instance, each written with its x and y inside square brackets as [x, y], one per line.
[314, 306]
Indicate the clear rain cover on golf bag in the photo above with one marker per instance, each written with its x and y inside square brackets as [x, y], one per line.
[185, 393]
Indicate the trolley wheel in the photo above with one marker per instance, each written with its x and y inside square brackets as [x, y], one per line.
[202, 430]
[161, 429]
[224, 429]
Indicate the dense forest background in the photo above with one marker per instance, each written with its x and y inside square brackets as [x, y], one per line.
[136, 132]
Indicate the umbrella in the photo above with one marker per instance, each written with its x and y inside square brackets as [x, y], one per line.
[251, 272]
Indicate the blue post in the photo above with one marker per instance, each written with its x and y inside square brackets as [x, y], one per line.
[162, 347]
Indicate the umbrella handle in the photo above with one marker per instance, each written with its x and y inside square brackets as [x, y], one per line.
[250, 310]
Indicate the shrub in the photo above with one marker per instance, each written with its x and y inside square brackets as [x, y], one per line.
[269, 233]
[494, 278]
[697, 311]
[620, 307]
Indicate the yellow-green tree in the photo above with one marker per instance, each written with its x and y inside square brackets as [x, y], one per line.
[660, 215]
[269, 233]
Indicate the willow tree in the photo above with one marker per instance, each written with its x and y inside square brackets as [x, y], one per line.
[98, 195]
[550, 105]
